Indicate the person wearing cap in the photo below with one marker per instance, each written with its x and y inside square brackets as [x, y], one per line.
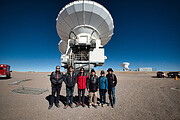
[93, 87]
[56, 79]
[112, 82]
[81, 82]
[70, 81]
[103, 86]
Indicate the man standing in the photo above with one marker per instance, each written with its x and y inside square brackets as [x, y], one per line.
[112, 81]
[81, 81]
[56, 79]
[70, 81]
[93, 87]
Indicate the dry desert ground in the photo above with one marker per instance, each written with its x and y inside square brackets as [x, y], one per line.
[139, 96]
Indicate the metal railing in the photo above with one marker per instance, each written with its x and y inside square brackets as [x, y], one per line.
[81, 57]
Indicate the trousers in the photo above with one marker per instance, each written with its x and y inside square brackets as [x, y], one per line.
[69, 94]
[111, 92]
[102, 93]
[55, 89]
[81, 91]
[93, 95]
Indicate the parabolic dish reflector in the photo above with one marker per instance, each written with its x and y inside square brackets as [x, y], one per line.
[85, 13]
[62, 47]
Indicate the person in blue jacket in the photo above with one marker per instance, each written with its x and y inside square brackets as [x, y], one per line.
[103, 86]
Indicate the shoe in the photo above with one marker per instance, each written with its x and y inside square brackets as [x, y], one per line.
[89, 106]
[101, 105]
[50, 106]
[57, 105]
[77, 105]
[65, 107]
[83, 105]
[113, 105]
[71, 105]
[98, 104]
[95, 106]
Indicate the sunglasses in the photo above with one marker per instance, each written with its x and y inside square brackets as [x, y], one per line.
[57, 68]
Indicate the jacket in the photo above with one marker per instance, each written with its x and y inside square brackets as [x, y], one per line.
[81, 80]
[112, 80]
[103, 83]
[70, 80]
[93, 83]
[54, 80]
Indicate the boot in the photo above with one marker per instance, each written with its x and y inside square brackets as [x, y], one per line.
[101, 105]
[89, 106]
[71, 105]
[50, 106]
[57, 105]
[77, 105]
[83, 105]
[66, 106]
[95, 106]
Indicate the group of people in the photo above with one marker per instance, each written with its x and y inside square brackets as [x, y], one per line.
[92, 83]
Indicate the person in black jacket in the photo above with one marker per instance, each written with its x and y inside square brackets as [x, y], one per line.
[112, 82]
[56, 79]
[70, 81]
[93, 87]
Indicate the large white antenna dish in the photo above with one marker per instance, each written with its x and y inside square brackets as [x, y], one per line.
[84, 27]
[86, 17]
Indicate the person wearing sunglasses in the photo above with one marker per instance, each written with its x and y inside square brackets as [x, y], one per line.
[56, 79]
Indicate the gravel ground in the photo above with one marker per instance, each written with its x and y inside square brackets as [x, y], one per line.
[139, 96]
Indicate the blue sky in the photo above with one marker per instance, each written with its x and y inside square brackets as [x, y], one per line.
[146, 34]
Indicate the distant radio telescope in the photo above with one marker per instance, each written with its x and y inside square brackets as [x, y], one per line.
[125, 66]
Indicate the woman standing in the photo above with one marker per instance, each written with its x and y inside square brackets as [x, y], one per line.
[81, 81]
[103, 85]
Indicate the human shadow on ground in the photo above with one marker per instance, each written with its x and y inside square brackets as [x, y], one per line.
[62, 99]
[155, 77]
[75, 99]
[158, 77]
[48, 98]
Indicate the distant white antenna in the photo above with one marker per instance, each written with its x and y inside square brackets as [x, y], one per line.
[125, 66]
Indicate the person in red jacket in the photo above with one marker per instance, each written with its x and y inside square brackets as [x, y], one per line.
[81, 82]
